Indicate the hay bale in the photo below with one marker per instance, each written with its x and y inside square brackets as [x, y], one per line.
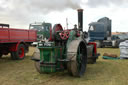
[110, 55]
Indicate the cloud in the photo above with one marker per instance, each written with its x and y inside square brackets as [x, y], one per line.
[43, 6]
[23, 11]
[20, 13]
[97, 3]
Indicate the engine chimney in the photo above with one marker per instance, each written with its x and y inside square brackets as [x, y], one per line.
[80, 19]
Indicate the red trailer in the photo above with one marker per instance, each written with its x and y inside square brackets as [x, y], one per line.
[15, 41]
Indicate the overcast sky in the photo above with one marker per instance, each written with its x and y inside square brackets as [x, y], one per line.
[20, 13]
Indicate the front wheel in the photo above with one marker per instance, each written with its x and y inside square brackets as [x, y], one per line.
[19, 54]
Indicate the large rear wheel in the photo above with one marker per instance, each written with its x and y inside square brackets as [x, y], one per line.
[19, 54]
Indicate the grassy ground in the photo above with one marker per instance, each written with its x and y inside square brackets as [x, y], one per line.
[104, 72]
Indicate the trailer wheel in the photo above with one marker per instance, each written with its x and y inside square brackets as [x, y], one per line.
[37, 65]
[19, 54]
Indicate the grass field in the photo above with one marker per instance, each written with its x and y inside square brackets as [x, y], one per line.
[104, 72]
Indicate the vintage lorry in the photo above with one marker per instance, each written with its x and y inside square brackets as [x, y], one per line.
[43, 29]
[15, 41]
[100, 32]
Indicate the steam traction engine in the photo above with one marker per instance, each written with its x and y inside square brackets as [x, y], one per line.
[66, 49]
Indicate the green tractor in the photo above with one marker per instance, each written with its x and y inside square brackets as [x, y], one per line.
[66, 50]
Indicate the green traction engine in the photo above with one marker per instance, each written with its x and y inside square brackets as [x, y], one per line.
[66, 50]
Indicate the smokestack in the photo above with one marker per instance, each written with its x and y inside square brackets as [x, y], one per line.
[80, 19]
